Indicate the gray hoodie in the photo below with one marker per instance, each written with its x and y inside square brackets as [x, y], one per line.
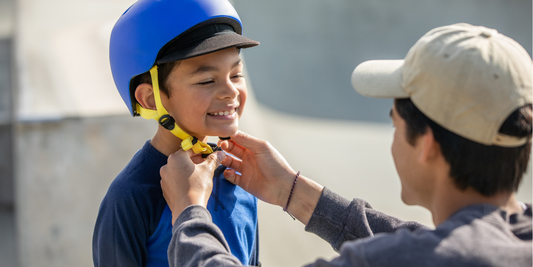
[476, 235]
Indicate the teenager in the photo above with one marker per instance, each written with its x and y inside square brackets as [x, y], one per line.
[462, 116]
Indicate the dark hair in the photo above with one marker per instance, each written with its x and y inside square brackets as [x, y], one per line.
[486, 169]
[164, 71]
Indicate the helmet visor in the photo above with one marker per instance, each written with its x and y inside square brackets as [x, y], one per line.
[205, 40]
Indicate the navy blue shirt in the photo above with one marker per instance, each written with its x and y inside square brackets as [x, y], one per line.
[134, 224]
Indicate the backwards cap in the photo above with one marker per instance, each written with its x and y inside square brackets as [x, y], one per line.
[466, 78]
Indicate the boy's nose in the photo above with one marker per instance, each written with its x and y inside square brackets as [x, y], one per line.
[229, 90]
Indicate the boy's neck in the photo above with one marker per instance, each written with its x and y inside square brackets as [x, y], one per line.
[166, 142]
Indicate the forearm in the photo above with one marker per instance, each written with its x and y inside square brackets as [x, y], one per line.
[304, 198]
[337, 220]
[197, 241]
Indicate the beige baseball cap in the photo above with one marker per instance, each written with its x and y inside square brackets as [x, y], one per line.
[466, 78]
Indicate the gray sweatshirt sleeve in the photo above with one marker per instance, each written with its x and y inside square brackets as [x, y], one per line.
[197, 241]
[337, 220]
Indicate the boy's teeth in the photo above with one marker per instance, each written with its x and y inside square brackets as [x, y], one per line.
[225, 113]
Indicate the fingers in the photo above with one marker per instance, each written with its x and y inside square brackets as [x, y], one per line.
[232, 148]
[181, 155]
[233, 163]
[247, 141]
[242, 141]
[232, 176]
[215, 159]
[179, 158]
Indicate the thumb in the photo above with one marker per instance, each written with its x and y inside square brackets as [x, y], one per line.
[215, 159]
[247, 141]
[179, 157]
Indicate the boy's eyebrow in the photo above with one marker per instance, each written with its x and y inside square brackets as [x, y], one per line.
[207, 68]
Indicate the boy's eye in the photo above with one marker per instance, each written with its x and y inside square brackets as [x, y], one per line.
[206, 82]
[237, 76]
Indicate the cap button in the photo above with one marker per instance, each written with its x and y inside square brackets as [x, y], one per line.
[487, 33]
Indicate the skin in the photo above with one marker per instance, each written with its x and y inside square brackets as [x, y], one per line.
[264, 173]
[198, 88]
[409, 162]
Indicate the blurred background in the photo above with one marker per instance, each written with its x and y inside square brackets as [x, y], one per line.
[65, 133]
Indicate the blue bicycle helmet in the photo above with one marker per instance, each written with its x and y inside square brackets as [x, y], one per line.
[151, 32]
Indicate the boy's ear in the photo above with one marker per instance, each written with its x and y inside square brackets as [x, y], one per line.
[145, 96]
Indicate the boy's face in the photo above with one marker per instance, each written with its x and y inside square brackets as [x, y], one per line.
[207, 94]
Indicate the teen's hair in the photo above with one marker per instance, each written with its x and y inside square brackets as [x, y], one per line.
[486, 169]
[163, 73]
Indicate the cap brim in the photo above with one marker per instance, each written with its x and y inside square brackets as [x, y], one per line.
[379, 78]
[210, 45]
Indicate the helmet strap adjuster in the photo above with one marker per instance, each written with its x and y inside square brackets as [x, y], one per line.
[167, 122]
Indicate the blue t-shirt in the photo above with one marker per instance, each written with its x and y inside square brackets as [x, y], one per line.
[134, 225]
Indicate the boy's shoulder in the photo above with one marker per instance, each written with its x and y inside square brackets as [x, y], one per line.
[140, 177]
[143, 168]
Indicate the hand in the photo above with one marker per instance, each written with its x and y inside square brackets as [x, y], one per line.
[264, 171]
[185, 182]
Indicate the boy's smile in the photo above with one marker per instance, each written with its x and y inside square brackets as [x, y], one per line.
[226, 113]
[207, 93]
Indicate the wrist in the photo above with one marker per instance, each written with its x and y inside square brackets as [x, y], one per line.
[179, 206]
[285, 189]
[290, 195]
[305, 196]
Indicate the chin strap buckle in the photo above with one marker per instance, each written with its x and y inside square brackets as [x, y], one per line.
[215, 149]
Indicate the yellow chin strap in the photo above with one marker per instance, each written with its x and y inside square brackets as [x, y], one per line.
[164, 119]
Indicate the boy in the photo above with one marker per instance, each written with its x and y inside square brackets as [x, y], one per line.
[176, 62]
[462, 141]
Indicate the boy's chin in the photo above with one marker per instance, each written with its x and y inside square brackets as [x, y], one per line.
[226, 132]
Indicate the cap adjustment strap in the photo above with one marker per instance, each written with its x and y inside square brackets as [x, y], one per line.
[164, 119]
[509, 141]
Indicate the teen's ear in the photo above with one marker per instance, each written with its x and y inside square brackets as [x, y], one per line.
[430, 148]
[145, 96]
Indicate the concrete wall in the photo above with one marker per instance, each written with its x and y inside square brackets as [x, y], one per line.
[7, 168]
[6, 125]
[68, 151]
[8, 240]
[309, 48]
[64, 169]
